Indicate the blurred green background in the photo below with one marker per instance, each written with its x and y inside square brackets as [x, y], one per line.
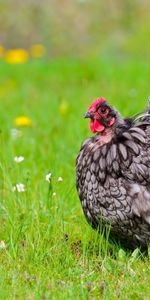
[77, 27]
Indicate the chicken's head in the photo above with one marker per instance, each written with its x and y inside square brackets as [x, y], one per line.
[101, 115]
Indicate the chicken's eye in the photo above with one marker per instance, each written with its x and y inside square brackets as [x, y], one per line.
[103, 110]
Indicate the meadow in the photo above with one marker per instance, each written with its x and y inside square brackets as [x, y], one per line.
[47, 249]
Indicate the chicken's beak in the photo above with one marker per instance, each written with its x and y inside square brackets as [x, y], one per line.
[88, 114]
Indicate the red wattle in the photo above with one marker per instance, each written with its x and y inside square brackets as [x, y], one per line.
[92, 126]
[96, 126]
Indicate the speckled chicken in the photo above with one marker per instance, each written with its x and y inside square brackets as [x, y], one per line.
[113, 174]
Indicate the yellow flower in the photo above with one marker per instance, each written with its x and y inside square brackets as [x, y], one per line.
[16, 56]
[1, 51]
[38, 50]
[64, 107]
[23, 121]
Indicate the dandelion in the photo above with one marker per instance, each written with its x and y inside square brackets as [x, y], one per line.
[38, 50]
[16, 56]
[15, 133]
[19, 187]
[2, 51]
[60, 179]
[2, 245]
[54, 194]
[18, 159]
[23, 121]
[48, 177]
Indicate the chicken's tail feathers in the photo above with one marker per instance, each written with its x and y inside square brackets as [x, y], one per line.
[144, 115]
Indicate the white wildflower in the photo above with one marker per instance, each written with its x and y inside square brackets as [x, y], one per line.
[48, 177]
[2, 245]
[18, 159]
[60, 179]
[19, 187]
[54, 194]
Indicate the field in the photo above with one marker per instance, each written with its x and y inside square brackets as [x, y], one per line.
[47, 249]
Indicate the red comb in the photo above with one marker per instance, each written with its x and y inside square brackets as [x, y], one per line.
[95, 102]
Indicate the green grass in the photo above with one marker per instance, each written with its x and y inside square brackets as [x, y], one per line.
[51, 252]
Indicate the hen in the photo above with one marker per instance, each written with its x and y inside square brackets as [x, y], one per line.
[113, 174]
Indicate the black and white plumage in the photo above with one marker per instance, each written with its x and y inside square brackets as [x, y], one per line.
[113, 174]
